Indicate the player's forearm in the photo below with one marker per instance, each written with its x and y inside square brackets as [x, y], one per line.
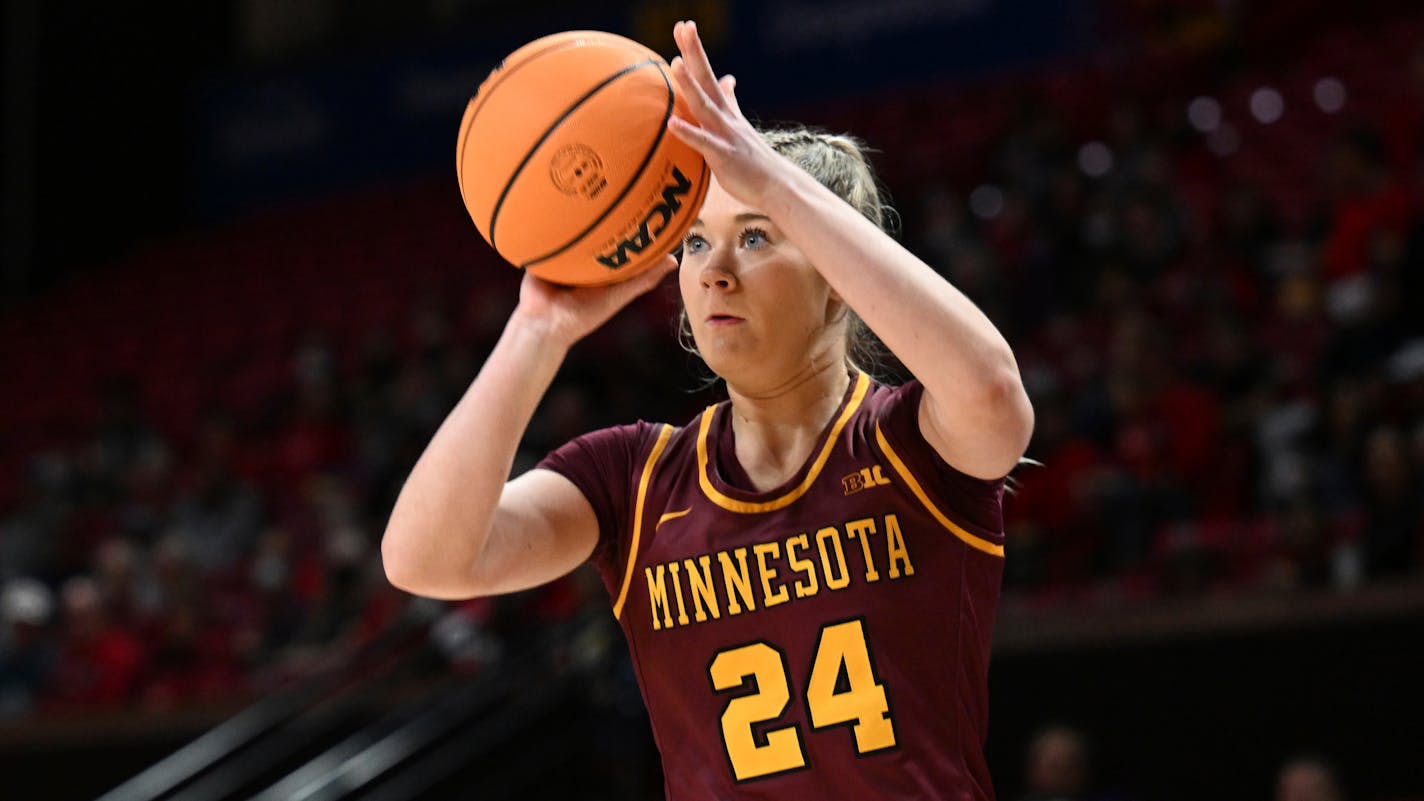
[443, 515]
[948, 343]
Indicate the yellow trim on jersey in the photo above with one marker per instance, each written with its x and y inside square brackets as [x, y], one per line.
[968, 538]
[670, 516]
[862, 385]
[638, 517]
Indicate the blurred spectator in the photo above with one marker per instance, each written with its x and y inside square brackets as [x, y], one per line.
[1393, 504]
[1369, 201]
[1309, 777]
[1058, 765]
[190, 660]
[216, 515]
[100, 662]
[1304, 554]
[26, 652]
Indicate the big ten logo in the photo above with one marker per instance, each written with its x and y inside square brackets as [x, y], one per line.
[866, 478]
[664, 206]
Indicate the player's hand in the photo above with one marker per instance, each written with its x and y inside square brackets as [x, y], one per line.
[740, 159]
[567, 314]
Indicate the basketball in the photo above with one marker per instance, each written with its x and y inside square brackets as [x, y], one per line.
[566, 165]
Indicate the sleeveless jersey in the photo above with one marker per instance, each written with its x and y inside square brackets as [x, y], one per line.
[826, 639]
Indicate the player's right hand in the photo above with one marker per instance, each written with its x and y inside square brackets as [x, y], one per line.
[567, 314]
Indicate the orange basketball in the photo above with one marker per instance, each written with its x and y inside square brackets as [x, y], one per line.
[566, 165]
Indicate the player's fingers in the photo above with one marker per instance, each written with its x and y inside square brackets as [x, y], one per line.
[729, 88]
[697, 137]
[692, 94]
[702, 107]
[694, 58]
[625, 291]
[668, 265]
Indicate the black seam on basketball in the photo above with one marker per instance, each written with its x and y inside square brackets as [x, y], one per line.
[524, 162]
[484, 97]
[500, 78]
[638, 173]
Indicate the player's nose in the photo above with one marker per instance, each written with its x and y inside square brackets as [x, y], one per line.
[719, 271]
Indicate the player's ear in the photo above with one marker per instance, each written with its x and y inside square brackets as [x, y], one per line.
[836, 309]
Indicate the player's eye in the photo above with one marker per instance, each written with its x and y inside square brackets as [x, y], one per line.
[754, 238]
[694, 243]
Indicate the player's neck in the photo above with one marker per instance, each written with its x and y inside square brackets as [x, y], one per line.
[775, 430]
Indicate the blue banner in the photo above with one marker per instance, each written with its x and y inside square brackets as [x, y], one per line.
[793, 51]
[258, 138]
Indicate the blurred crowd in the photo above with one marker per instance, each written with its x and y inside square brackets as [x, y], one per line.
[1060, 763]
[1230, 397]
[1229, 393]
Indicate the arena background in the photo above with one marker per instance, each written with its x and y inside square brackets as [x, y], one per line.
[240, 291]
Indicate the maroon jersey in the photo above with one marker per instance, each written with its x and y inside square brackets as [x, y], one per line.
[826, 639]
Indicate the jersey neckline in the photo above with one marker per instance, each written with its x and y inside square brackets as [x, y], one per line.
[735, 499]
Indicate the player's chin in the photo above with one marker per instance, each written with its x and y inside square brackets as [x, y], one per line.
[729, 355]
[715, 350]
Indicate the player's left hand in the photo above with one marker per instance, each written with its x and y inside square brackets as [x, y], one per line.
[737, 155]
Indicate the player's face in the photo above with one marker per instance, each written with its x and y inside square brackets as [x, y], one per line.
[759, 311]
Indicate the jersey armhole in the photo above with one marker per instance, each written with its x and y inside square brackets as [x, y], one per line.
[970, 508]
[992, 545]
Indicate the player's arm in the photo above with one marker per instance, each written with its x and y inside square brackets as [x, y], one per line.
[974, 411]
[459, 527]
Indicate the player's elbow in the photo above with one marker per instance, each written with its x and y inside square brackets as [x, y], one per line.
[398, 563]
[1007, 418]
[420, 566]
[408, 563]
[1014, 414]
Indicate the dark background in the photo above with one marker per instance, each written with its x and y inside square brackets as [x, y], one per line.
[111, 114]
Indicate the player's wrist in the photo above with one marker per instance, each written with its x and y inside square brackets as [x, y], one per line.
[539, 332]
[786, 190]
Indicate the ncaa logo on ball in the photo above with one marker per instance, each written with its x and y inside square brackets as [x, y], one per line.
[664, 205]
[577, 170]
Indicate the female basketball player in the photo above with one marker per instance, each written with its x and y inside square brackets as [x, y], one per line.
[806, 573]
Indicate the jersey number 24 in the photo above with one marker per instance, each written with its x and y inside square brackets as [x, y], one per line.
[842, 651]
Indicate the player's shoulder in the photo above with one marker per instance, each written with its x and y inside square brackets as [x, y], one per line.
[886, 398]
[891, 419]
[604, 449]
[624, 441]
[641, 436]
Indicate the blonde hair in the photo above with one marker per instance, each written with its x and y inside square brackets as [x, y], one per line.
[839, 163]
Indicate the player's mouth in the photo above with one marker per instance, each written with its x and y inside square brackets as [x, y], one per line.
[723, 319]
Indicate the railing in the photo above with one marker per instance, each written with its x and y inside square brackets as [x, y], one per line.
[343, 733]
[268, 732]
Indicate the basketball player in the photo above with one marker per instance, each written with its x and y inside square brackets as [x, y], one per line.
[806, 573]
